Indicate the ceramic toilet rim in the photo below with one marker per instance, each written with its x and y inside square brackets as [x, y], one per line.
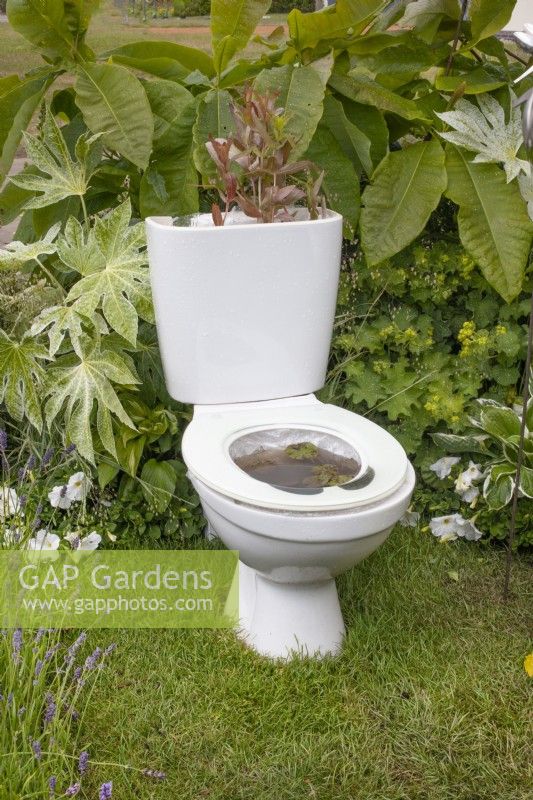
[205, 452]
[308, 527]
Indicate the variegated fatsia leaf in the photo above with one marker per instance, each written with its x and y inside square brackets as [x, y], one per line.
[80, 383]
[63, 176]
[58, 321]
[21, 376]
[485, 131]
[112, 264]
[17, 254]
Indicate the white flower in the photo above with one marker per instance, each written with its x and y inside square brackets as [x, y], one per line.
[44, 541]
[9, 502]
[463, 484]
[410, 519]
[445, 528]
[470, 496]
[443, 466]
[467, 530]
[78, 486]
[89, 542]
[58, 498]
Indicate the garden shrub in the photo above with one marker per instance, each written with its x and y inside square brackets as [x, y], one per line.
[418, 339]
[284, 6]
[421, 332]
[192, 8]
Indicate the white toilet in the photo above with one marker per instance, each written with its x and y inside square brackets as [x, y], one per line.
[244, 330]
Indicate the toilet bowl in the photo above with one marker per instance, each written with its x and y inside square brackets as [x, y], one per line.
[244, 316]
[293, 543]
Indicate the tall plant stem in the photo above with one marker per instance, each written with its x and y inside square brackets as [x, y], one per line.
[464, 8]
[519, 460]
[85, 214]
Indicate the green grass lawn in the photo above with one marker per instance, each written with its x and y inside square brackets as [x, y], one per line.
[109, 29]
[429, 700]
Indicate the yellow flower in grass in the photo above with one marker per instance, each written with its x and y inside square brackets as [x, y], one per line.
[528, 665]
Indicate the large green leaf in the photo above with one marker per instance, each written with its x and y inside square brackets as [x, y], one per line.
[114, 103]
[406, 188]
[169, 187]
[232, 24]
[165, 59]
[158, 482]
[19, 97]
[502, 423]
[174, 111]
[213, 119]
[364, 90]
[493, 221]
[63, 176]
[113, 269]
[76, 382]
[170, 184]
[43, 23]
[300, 92]
[425, 16]
[354, 143]
[346, 17]
[371, 122]
[488, 17]
[341, 181]
[21, 376]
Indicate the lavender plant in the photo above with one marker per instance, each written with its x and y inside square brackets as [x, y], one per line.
[255, 167]
[45, 685]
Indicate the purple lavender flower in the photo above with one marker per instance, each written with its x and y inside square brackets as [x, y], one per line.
[73, 790]
[36, 747]
[16, 643]
[52, 782]
[77, 674]
[48, 455]
[109, 649]
[92, 660]
[39, 635]
[52, 651]
[3, 440]
[38, 668]
[50, 709]
[106, 791]
[21, 710]
[37, 521]
[69, 450]
[83, 762]
[74, 647]
[9, 699]
[158, 774]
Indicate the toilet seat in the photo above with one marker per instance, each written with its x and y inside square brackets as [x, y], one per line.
[207, 439]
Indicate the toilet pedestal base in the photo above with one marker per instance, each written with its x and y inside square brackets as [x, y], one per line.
[281, 620]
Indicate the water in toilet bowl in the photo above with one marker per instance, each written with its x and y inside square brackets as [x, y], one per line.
[292, 459]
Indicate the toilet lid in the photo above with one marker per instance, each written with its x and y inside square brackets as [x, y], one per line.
[208, 438]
